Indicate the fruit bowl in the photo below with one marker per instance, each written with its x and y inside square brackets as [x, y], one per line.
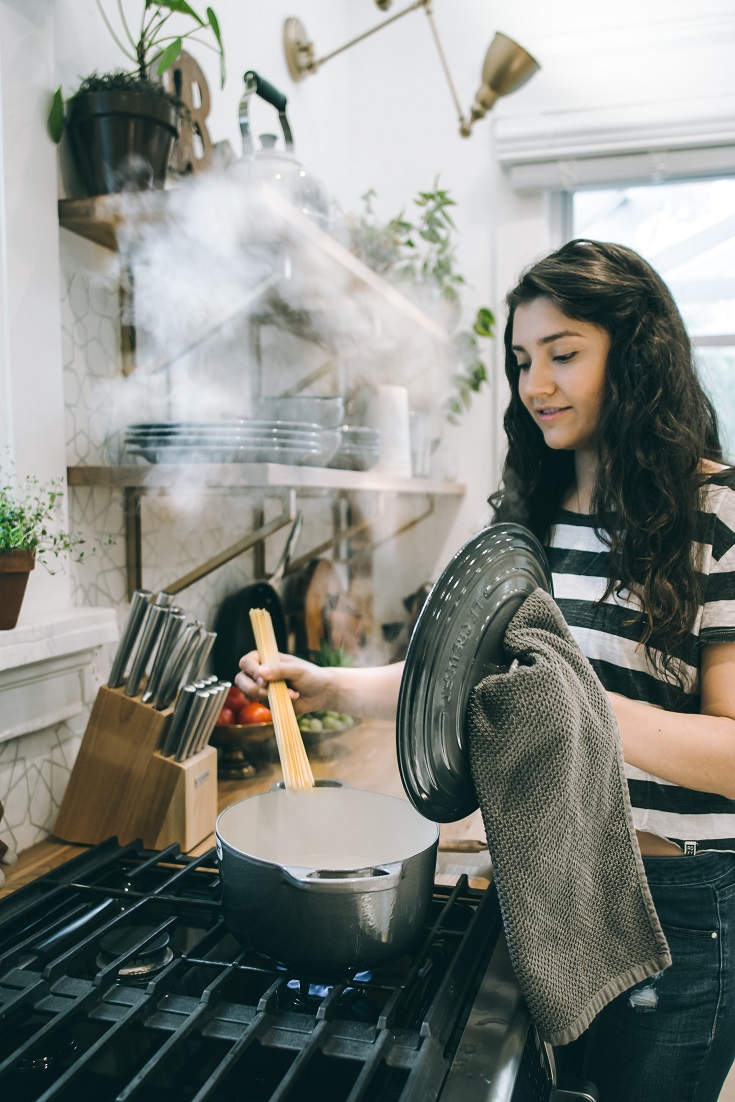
[240, 734]
[315, 726]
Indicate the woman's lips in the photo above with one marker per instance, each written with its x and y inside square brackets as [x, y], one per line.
[550, 413]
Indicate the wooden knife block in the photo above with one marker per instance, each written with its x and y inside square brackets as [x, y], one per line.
[121, 785]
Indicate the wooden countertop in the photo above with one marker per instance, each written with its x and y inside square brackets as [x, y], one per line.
[364, 757]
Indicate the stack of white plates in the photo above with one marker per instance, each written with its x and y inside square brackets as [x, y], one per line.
[359, 449]
[233, 441]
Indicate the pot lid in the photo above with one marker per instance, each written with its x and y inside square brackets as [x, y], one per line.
[458, 641]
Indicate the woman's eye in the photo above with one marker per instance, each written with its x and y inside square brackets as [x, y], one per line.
[523, 366]
[565, 357]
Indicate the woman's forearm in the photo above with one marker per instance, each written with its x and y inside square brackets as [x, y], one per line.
[695, 751]
[368, 691]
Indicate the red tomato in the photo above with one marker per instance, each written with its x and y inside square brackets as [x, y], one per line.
[235, 698]
[226, 717]
[253, 712]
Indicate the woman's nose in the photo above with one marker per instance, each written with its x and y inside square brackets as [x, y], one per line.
[539, 380]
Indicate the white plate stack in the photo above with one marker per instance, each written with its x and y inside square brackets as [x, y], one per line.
[359, 449]
[233, 441]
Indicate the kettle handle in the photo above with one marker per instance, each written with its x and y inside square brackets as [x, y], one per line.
[267, 91]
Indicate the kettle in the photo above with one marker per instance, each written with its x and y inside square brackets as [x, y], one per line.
[279, 167]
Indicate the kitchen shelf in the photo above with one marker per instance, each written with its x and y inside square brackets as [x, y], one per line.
[311, 270]
[265, 479]
[306, 284]
[161, 476]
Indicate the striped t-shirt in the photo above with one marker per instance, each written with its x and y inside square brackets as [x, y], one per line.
[579, 564]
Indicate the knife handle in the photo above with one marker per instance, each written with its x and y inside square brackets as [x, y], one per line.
[178, 717]
[170, 678]
[138, 605]
[151, 630]
[200, 658]
[220, 692]
[171, 628]
[191, 724]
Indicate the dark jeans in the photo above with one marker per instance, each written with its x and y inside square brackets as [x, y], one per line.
[672, 1038]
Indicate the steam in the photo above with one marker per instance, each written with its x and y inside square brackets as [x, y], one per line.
[226, 255]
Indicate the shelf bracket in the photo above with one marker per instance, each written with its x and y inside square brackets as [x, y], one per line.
[354, 530]
[133, 543]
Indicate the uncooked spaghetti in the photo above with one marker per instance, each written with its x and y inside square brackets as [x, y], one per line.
[297, 774]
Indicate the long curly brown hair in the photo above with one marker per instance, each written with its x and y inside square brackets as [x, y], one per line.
[656, 426]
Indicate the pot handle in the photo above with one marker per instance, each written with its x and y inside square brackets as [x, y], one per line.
[375, 878]
[325, 782]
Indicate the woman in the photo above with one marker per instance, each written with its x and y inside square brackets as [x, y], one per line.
[614, 462]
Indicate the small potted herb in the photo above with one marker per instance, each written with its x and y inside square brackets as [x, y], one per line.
[122, 125]
[29, 533]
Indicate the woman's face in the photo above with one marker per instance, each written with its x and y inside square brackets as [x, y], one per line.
[562, 373]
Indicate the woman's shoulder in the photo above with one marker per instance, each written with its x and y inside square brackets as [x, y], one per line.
[718, 502]
[719, 486]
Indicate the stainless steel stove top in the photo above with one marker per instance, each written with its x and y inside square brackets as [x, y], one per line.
[119, 978]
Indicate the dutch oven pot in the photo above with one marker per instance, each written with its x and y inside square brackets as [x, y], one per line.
[327, 882]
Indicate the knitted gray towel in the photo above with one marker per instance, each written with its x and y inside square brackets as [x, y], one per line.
[547, 765]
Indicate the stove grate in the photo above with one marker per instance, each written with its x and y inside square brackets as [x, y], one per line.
[119, 976]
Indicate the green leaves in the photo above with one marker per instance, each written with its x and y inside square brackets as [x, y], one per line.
[154, 46]
[55, 122]
[423, 251]
[169, 55]
[214, 24]
[29, 515]
[179, 6]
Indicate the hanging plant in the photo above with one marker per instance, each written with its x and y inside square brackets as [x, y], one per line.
[422, 251]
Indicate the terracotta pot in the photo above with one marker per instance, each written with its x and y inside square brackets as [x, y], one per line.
[15, 566]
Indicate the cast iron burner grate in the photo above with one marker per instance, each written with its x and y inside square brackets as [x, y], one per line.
[119, 977]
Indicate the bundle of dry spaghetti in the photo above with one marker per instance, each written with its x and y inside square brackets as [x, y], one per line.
[297, 774]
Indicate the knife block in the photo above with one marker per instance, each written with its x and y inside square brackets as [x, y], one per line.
[121, 784]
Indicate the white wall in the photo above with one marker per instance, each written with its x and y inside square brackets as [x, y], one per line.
[31, 396]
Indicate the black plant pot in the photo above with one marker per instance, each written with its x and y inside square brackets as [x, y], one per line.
[121, 140]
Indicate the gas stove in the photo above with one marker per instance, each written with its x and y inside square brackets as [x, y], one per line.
[118, 977]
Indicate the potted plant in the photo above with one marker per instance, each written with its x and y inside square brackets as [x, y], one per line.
[422, 253]
[29, 533]
[122, 125]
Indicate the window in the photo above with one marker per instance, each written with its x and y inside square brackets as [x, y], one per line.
[686, 230]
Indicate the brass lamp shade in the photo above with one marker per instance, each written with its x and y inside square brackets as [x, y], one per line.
[507, 67]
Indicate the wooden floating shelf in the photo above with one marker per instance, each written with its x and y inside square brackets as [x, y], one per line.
[163, 476]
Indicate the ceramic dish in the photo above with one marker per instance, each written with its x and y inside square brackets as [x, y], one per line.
[458, 641]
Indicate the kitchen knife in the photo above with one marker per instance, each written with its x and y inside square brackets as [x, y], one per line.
[178, 667]
[176, 720]
[194, 717]
[173, 624]
[200, 658]
[138, 606]
[174, 657]
[150, 631]
[219, 693]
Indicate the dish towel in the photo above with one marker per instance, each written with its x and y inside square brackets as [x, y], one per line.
[547, 765]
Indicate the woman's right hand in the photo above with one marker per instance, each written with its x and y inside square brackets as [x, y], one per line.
[308, 684]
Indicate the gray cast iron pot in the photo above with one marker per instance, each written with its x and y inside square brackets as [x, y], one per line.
[328, 882]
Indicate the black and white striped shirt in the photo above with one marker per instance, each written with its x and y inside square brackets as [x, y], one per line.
[579, 564]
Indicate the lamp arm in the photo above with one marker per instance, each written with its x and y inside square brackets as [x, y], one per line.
[445, 66]
[361, 37]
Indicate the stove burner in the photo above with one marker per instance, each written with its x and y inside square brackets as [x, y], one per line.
[48, 1051]
[307, 990]
[147, 961]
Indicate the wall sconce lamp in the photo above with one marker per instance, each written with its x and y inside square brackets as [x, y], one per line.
[506, 68]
